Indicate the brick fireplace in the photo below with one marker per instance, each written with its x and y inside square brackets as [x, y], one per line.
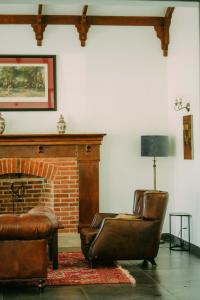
[60, 171]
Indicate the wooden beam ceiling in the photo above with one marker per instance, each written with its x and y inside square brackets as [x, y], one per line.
[84, 21]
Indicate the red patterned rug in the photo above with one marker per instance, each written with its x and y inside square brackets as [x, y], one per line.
[75, 270]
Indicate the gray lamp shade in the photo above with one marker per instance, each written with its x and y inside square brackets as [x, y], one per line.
[154, 145]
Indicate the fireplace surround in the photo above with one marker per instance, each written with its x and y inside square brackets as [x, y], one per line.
[67, 164]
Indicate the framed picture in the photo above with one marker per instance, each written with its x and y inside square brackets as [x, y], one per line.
[188, 137]
[27, 82]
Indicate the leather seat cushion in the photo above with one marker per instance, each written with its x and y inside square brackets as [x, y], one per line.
[127, 217]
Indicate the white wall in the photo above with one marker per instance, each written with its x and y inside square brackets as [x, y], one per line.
[118, 84]
[115, 85]
[183, 81]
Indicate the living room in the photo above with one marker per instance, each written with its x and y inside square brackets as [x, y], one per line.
[120, 84]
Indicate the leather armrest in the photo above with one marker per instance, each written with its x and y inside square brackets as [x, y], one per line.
[87, 235]
[24, 227]
[121, 226]
[48, 212]
[99, 217]
[129, 234]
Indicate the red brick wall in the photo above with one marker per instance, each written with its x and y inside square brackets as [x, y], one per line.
[57, 186]
[33, 193]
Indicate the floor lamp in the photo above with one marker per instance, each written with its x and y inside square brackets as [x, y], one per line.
[154, 146]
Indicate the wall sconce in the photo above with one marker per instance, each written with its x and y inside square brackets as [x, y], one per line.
[178, 105]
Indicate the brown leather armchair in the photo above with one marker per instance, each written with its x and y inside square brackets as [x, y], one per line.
[137, 236]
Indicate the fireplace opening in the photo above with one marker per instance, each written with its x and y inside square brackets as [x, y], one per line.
[21, 192]
[53, 182]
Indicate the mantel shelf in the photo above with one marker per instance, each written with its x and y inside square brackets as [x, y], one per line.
[51, 139]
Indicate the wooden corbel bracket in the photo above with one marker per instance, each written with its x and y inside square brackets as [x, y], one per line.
[83, 26]
[39, 26]
[163, 30]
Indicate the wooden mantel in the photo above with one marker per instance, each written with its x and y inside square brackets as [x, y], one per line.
[49, 139]
[85, 147]
[82, 146]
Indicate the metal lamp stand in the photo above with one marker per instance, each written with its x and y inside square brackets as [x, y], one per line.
[154, 173]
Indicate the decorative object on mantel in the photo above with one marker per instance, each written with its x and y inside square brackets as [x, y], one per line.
[178, 105]
[61, 125]
[187, 137]
[2, 124]
[155, 146]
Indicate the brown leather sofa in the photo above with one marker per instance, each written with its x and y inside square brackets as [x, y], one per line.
[126, 237]
[23, 247]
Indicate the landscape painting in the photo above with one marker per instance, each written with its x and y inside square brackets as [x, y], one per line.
[27, 83]
[23, 82]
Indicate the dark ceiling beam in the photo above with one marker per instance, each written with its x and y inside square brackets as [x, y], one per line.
[125, 21]
[17, 19]
[83, 23]
[76, 19]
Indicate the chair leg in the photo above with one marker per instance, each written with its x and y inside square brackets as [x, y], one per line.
[54, 249]
[41, 285]
[50, 249]
[145, 263]
[152, 261]
[92, 263]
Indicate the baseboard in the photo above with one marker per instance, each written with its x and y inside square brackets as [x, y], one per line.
[68, 240]
[165, 237]
[195, 250]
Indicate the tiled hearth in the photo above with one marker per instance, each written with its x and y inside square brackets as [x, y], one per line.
[60, 171]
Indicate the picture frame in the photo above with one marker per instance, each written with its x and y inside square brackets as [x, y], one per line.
[27, 82]
[188, 148]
